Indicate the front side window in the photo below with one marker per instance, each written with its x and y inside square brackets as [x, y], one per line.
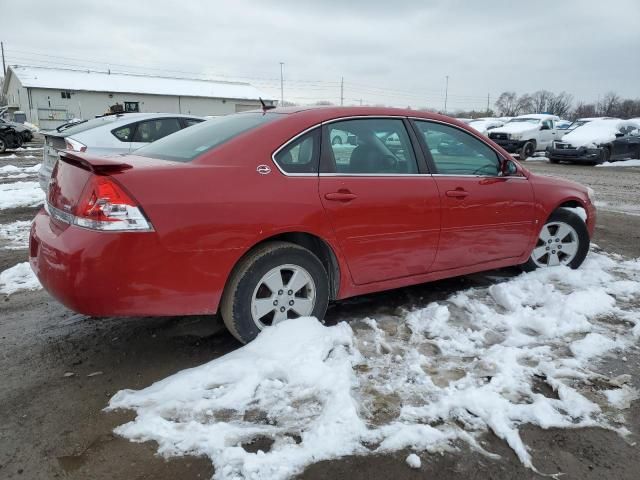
[301, 155]
[371, 146]
[153, 130]
[456, 152]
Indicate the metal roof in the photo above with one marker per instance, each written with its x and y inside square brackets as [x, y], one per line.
[94, 81]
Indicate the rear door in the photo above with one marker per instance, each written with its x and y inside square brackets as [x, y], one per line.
[385, 213]
[547, 134]
[149, 131]
[485, 216]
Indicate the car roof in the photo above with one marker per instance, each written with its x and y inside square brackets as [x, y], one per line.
[540, 116]
[319, 114]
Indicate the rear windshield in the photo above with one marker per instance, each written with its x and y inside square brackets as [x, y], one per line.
[187, 144]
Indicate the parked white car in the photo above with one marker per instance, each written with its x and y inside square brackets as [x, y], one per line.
[526, 134]
[109, 135]
[483, 125]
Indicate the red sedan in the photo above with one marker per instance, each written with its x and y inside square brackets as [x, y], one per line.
[264, 216]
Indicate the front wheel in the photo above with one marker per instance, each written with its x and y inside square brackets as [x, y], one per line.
[527, 150]
[563, 240]
[275, 282]
[3, 144]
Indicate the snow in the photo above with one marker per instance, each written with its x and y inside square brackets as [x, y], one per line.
[11, 169]
[621, 397]
[595, 133]
[20, 194]
[413, 461]
[621, 163]
[15, 235]
[422, 379]
[484, 125]
[85, 80]
[18, 277]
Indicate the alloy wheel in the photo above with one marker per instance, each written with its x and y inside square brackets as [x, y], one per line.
[558, 244]
[286, 291]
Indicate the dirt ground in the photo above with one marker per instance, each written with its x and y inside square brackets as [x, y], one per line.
[59, 369]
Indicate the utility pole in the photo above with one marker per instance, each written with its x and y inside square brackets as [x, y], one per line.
[281, 84]
[341, 91]
[446, 94]
[488, 103]
[4, 69]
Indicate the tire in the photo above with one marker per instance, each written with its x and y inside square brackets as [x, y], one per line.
[3, 144]
[554, 160]
[527, 150]
[606, 155]
[549, 245]
[336, 140]
[247, 294]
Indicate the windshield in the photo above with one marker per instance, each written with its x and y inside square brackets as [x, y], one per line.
[529, 120]
[187, 144]
[577, 124]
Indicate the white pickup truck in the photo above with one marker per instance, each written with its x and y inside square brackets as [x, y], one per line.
[527, 134]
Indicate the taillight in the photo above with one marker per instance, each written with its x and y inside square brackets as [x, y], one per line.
[103, 205]
[74, 145]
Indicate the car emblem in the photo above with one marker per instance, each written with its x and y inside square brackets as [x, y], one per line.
[263, 169]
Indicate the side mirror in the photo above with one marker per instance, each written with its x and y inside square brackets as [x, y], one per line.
[619, 134]
[509, 168]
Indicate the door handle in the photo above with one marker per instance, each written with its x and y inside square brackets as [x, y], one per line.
[340, 196]
[458, 193]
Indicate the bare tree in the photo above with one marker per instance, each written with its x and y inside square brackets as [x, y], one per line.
[608, 106]
[524, 104]
[507, 104]
[540, 100]
[560, 104]
[583, 110]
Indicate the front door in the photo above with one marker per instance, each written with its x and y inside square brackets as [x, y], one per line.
[385, 214]
[485, 216]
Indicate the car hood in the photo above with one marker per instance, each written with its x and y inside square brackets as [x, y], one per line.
[593, 133]
[517, 127]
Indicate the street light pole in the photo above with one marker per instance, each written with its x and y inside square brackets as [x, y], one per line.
[281, 84]
[446, 94]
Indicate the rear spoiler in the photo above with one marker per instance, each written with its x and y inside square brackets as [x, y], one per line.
[97, 165]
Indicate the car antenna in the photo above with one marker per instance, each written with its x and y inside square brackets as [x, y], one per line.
[266, 107]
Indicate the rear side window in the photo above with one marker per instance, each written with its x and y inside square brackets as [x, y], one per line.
[456, 152]
[191, 142]
[123, 133]
[153, 130]
[189, 122]
[301, 155]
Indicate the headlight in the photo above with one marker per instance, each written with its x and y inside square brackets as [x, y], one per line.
[591, 194]
[516, 136]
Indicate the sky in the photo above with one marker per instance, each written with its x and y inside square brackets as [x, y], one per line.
[393, 53]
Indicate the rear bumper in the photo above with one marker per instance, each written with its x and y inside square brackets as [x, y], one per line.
[582, 155]
[122, 274]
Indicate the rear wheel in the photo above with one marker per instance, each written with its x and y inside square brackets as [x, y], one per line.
[527, 150]
[554, 160]
[275, 282]
[3, 145]
[563, 240]
[606, 155]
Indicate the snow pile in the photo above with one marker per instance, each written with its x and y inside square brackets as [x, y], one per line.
[414, 461]
[594, 133]
[623, 163]
[18, 277]
[487, 359]
[20, 194]
[12, 171]
[15, 235]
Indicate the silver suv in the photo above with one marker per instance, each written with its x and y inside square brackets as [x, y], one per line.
[109, 135]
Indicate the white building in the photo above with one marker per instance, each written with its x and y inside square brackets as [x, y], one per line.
[50, 96]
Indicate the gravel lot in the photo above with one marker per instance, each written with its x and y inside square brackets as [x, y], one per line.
[59, 370]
